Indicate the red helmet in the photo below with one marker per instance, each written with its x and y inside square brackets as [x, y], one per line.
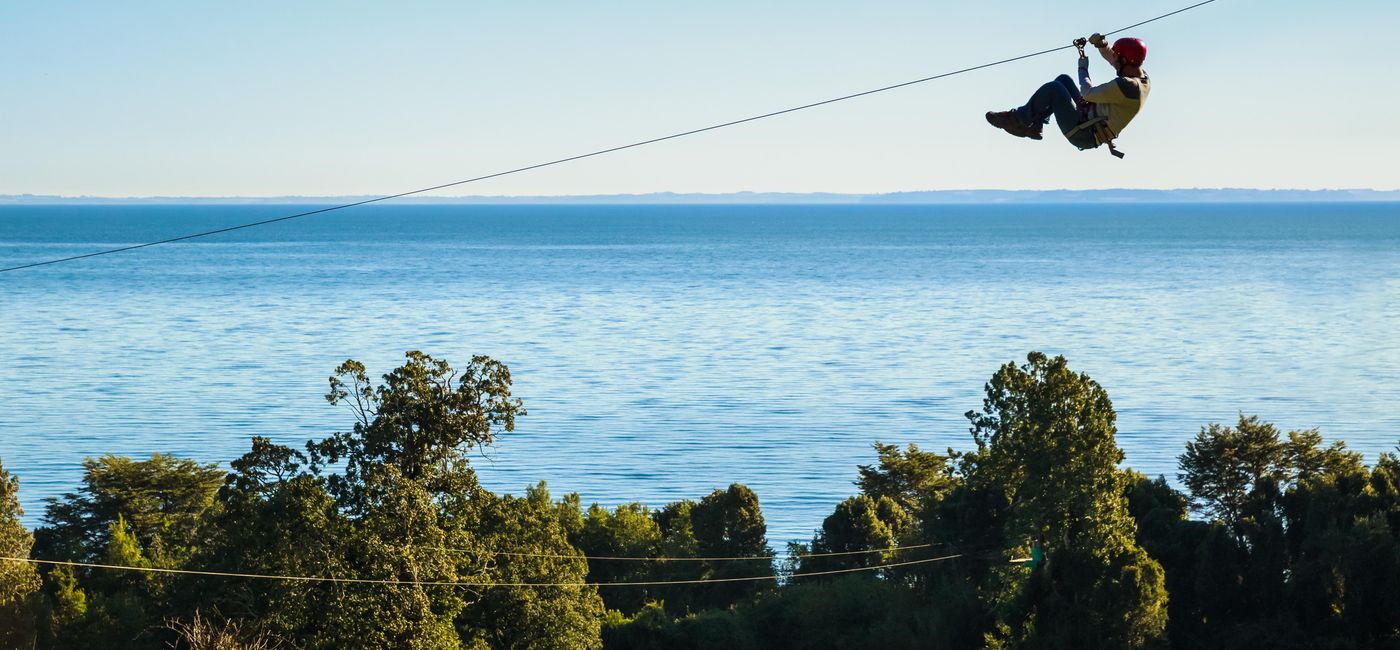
[1130, 50]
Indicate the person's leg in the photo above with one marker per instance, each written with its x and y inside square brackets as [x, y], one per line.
[1085, 138]
[1069, 85]
[1054, 98]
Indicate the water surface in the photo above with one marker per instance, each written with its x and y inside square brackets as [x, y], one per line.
[664, 351]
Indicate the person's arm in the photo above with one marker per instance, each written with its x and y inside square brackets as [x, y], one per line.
[1085, 83]
[1100, 42]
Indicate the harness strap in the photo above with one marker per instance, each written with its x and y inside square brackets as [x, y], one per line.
[1102, 134]
[1092, 122]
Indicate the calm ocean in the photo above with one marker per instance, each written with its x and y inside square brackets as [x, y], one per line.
[663, 351]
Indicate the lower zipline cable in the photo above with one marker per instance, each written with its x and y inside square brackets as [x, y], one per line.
[581, 156]
[423, 583]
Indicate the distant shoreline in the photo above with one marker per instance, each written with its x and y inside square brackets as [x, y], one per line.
[938, 197]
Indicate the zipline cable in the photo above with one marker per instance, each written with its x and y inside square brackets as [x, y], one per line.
[421, 583]
[591, 154]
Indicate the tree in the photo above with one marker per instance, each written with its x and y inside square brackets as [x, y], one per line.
[161, 499]
[1290, 506]
[145, 513]
[1230, 470]
[860, 523]
[276, 520]
[532, 548]
[1342, 555]
[729, 523]
[914, 479]
[628, 531]
[677, 529]
[395, 535]
[404, 509]
[424, 419]
[18, 580]
[1369, 611]
[1045, 437]
[64, 608]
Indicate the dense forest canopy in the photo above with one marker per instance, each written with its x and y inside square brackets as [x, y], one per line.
[380, 536]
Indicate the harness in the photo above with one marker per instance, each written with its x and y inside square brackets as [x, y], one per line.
[1099, 126]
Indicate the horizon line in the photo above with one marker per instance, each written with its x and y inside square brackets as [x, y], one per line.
[750, 196]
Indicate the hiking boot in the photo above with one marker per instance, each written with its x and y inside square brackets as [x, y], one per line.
[1037, 131]
[1007, 121]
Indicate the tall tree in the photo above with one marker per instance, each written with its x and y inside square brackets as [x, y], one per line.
[424, 419]
[1045, 437]
[403, 508]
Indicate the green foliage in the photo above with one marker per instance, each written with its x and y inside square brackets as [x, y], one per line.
[678, 541]
[914, 479]
[290, 526]
[627, 531]
[424, 419]
[1046, 435]
[394, 534]
[1302, 548]
[533, 548]
[405, 508]
[859, 523]
[145, 513]
[64, 608]
[1230, 471]
[1302, 551]
[161, 499]
[729, 523]
[122, 547]
[677, 529]
[1154, 505]
[1045, 438]
[852, 612]
[19, 582]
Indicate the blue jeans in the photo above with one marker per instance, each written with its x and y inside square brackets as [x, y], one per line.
[1061, 99]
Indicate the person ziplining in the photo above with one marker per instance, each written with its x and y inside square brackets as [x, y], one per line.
[1088, 115]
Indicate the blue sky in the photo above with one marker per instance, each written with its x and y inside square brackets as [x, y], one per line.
[328, 98]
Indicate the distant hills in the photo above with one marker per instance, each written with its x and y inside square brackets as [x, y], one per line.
[1223, 195]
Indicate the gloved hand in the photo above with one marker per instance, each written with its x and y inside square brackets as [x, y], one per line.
[1098, 40]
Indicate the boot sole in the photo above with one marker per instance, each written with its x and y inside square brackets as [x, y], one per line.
[1020, 134]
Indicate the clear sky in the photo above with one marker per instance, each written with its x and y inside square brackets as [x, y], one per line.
[330, 98]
